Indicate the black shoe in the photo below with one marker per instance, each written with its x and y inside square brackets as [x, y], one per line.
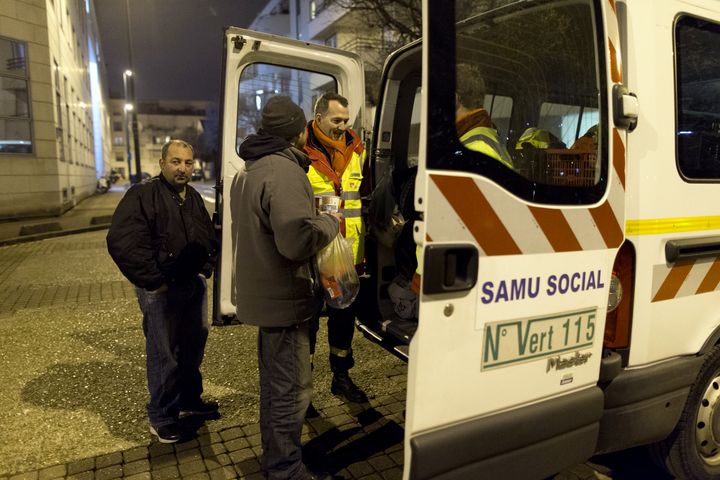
[343, 385]
[169, 433]
[200, 408]
[311, 412]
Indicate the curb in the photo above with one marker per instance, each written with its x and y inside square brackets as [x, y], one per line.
[52, 234]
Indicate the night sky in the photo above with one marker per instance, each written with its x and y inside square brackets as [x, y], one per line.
[176, 44]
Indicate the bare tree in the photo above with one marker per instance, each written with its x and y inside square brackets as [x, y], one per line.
[402, 17]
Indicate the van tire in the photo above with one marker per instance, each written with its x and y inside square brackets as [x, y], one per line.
[692, 450]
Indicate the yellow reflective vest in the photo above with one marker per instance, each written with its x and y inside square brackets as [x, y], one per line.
[486, 140]
[325, 181]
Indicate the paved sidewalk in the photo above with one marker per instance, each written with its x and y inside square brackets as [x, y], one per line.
[92, 213]
[358, 442]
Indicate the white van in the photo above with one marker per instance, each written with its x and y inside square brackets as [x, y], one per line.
[569, 300]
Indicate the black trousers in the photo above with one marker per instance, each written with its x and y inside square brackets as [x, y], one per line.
[341, 328]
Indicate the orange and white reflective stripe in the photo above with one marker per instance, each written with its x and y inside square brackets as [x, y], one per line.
[475, 210]
[614, 41]
[481, 212]
[685, 278]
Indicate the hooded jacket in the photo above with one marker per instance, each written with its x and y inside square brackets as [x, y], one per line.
[157, 237]
[276, 232]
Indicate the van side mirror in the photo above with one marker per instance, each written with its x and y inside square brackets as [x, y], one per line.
[625, 107]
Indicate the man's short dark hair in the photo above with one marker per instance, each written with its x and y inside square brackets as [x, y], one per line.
[175, 141]
[323, 103]
[470, 85]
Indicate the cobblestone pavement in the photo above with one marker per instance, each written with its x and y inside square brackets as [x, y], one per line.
[72, 366]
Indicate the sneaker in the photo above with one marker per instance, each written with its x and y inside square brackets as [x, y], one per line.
[343, 385]
[169, 433]
[201, 408]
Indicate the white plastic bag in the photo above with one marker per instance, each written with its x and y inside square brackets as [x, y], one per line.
[404, 299]
[337, 273]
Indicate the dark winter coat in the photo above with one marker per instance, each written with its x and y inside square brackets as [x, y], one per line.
[276, 232]
[157, 237]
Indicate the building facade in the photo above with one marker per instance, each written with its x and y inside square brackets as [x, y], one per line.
[54, 109]
[325, 23]
[158, 122]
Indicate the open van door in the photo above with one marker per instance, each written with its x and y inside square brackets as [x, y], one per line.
[520, 216]
[256, 67]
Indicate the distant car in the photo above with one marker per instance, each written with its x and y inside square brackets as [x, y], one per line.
[197, 174]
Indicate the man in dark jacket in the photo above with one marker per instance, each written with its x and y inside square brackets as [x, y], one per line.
[276, 232]
[163, 241]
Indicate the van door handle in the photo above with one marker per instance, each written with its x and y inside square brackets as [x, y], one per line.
[692, 248]
[449, 268]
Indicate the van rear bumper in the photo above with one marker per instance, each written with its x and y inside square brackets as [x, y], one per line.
[530, 442]
[643, 405]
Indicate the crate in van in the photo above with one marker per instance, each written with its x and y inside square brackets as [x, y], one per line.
[569, 167]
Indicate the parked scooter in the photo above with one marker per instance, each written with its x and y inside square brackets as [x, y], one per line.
[103, 184]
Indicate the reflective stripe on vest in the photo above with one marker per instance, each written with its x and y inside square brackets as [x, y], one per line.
[485, 140]
[350, 195]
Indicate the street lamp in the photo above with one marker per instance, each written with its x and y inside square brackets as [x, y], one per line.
[126, 108]
[130, 114]
[128, 82]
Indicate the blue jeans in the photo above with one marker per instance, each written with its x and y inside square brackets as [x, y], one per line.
[285, 389]
[176, 330]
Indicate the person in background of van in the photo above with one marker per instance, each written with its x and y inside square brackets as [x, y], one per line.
[588, 142]
[275, 234]
[472, 122]
[337, 160]
[534, 137]
[163, 241]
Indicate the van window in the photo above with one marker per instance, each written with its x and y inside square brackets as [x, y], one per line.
[260, 81]
[414, 140]
[567, 122]
[528, 102]
[697, 48]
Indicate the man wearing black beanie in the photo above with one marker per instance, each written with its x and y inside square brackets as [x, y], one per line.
[275, 234]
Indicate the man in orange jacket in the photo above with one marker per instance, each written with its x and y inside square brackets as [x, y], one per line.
[337, 158]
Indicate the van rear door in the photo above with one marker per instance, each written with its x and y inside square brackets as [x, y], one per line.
[256, 67]
[521, 188]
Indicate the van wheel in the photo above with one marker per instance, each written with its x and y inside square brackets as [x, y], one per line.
[692, 450]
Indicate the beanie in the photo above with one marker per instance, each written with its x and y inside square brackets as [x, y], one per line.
[282, 117]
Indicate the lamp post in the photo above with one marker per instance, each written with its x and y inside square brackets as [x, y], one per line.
[127, 74]
[129, 84]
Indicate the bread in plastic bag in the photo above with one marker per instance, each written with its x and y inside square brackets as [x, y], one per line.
[337, 273]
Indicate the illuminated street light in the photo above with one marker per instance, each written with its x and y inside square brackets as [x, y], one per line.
[131, 113]
[126, 128]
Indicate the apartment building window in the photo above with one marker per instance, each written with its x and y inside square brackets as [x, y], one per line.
[59, 135]
[15, 120]
[319, 6]
[331, 41]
